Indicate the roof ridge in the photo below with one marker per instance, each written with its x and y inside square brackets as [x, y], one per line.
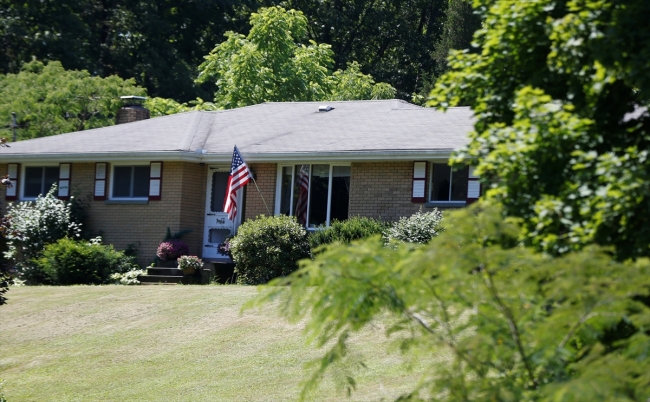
[191, 131]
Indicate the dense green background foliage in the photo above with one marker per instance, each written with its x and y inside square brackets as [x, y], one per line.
[559, 92]
[160, 43]
[50, 100]
[268, 247]
[72, 262]
[488, 322]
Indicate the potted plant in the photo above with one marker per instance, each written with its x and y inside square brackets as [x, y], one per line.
[170, 250]
[189, 264]
[224, 248]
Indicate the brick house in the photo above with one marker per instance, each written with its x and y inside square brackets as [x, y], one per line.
[382, 159]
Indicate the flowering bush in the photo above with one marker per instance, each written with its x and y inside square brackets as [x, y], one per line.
[128, 278]
[172, 249]
[224, 248]
[30, 226]
[420, 227]
[189, 261]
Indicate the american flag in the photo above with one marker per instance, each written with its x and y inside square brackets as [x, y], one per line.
[301, 205]
[240, 175]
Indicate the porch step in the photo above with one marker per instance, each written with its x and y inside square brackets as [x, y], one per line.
[163, 279]
[164, 271]
[161, 276]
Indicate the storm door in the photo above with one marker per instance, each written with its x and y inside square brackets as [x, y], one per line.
[217, 225]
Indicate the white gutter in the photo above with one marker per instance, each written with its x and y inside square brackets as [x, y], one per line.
[199, 157]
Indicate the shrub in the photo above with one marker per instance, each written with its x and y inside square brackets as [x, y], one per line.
[345, 231]
[129, 277]
[268, 247]
[70, 262]
[420, 227]
[170, 250]
[30, 226]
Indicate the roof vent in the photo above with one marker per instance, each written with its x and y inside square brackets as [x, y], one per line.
[325, 108]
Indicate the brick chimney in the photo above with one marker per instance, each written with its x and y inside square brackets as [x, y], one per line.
[133, 110]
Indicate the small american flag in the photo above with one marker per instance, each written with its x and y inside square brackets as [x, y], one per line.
[301, 205]
[240, 175]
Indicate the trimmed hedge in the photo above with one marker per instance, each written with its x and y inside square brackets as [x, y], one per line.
[268, 247]
[70, 262]
[346, 231]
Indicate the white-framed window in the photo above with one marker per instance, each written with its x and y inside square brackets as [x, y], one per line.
[38, 180]
[316, 194]
[448, 184]
[130, 182]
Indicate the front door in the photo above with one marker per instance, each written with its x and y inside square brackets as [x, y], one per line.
[217, 225]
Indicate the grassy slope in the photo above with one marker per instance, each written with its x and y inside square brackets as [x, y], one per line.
[173, 343]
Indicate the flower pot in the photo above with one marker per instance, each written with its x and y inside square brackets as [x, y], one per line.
[189, 271]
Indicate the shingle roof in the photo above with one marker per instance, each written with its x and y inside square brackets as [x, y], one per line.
[286, 128]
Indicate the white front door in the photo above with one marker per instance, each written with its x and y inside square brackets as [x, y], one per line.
[217, 224]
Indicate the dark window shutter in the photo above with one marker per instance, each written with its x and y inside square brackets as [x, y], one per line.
[418, 194]
[11, 193]
[155, 181]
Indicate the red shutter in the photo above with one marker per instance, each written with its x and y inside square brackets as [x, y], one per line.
[101, 174]
[418, 194]
[64, 181]
[11, 193]
[473, 186]
[155, 181]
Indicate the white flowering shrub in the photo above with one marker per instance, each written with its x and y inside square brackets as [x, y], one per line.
[420, 227]
[30, 226]
[128, 278]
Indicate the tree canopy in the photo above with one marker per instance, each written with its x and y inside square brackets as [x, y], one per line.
[50, 100]
[273, 64]
[560, 92]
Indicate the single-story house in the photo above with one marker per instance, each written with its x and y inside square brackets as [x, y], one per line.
[384, 159]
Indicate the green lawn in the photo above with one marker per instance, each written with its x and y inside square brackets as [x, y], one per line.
[171, 343]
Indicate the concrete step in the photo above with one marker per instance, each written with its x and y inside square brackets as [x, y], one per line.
[164, 271]
[160, 279]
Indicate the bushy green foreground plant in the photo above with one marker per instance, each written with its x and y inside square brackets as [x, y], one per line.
[420, 227]
[70, 262]
[29, 226]
[354, 228]
[268, 247]
[4, 286]
[491, 323]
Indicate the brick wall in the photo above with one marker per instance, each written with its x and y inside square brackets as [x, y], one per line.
[182, 206]
[382, 190]
[266, 174]
[192, 207]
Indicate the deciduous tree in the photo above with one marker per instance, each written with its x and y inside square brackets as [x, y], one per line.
[560, 93]
[49, 99]
[273, 64]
